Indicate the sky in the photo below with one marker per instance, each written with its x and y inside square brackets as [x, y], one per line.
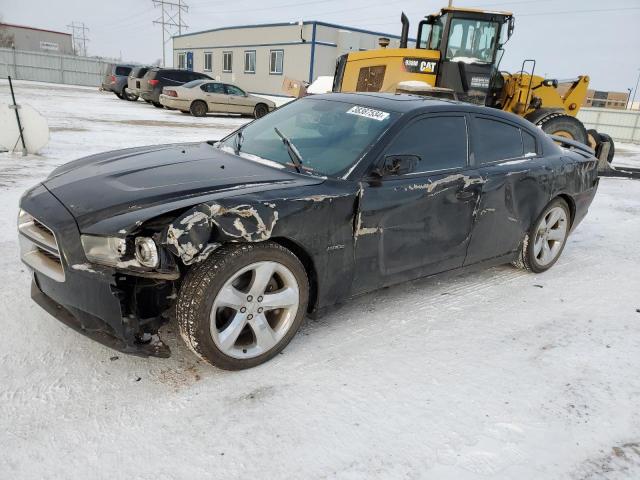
[566, 37]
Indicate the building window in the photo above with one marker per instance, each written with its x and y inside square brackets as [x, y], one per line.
[181, 61]
[208, 56]
[276, 62]
[227, 61]
[250, 61]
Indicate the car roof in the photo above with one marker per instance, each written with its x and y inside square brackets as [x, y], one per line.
[405, 103]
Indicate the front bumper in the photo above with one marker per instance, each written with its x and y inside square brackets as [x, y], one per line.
[173, 102]
[95, 328]
[121, 311]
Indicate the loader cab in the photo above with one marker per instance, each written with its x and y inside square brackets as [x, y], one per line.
[470, 43]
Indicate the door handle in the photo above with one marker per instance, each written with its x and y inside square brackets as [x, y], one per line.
[465, 195]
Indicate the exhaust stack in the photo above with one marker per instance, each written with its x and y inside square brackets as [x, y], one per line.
[404, 36]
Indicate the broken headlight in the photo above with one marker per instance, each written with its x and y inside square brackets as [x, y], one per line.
[104, 250]
[147, 252]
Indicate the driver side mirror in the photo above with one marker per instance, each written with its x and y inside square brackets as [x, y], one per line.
[397, 165]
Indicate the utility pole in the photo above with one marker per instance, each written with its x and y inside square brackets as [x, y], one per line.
[170, 20]
[636, 90]
[79, 37]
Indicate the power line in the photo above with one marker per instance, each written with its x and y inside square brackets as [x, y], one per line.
[170, 20]
[79, 38]
[579, 11]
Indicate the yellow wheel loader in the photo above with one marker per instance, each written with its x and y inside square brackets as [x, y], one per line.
[457, 54]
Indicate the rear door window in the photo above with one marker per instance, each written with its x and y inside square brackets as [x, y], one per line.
[494, 140]
[439, 141]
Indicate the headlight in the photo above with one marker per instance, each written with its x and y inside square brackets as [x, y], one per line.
[146, 252]
[103, 250]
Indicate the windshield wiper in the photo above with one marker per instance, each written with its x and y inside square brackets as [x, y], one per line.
[296, 158]
[239, 138]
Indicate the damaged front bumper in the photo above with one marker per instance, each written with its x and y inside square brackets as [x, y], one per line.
[119, 310]
[96, 329]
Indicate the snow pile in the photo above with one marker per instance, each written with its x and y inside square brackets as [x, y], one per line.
[323, 84]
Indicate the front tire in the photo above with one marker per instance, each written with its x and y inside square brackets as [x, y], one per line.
[546, 239]
[243, 305]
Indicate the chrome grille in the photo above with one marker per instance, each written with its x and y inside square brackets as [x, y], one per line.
[39, 248]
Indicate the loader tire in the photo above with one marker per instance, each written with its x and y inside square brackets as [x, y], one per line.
[564, 125]
[593, 139]
[612, 149]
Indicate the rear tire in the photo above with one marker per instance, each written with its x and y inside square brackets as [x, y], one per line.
[260, 110]
[544, 242]
[198, 108]
[593, 139]
[128, 95]
[157, 104]
[612, 149]
[564, 126]
[242, 306]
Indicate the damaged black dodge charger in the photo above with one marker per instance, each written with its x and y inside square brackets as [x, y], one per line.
[328, 197]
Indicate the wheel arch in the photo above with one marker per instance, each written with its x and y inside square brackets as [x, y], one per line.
[570, 202]
[308, 264]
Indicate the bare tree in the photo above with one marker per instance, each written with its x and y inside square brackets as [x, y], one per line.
[6, 38]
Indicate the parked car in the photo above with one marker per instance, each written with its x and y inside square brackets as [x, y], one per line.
[157, 78]
[116, 78]
[328, 197]
[200, 97]
[133, 82]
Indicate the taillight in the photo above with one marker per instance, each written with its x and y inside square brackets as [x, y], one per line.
[171, 93]
[153, 83]
[113, 79]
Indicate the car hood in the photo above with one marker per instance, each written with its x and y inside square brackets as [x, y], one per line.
[121, 182]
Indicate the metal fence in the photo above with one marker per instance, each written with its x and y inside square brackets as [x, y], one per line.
[622, 125]
[49, 67]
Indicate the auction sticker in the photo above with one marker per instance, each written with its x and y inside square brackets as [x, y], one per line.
[369, 113]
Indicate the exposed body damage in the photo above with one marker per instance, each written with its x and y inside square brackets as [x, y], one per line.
[353, 234]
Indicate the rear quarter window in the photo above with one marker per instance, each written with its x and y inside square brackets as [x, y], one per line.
[494, 140]
[529, 143]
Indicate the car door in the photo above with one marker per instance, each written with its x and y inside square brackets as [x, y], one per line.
[215, 96]
[418, 223]
[239, 102]
[516, 179]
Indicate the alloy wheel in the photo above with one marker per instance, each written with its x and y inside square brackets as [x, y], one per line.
[550, 236]
[254, 309]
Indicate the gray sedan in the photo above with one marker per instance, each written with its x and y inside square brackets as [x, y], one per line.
[200, 97]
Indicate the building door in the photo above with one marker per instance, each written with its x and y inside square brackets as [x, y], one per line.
[189, 60]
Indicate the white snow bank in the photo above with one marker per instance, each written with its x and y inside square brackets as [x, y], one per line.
[322, 84]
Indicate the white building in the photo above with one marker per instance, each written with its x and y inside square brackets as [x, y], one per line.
[258, 57]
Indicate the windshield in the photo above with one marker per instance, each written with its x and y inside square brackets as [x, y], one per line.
[193, 83]
[472, 41]
[329, 135]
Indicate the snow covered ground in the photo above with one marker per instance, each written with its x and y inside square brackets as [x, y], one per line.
[498, 374]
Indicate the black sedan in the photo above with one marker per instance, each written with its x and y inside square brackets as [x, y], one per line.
[326, 198]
